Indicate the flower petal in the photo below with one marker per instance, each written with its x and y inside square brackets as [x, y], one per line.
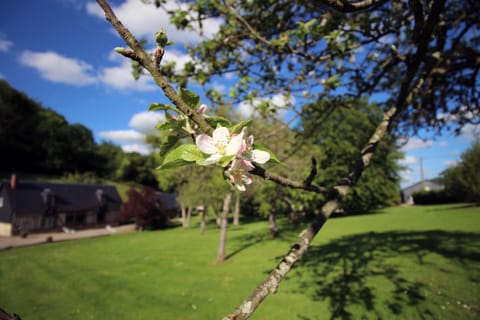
[247, 179]
[240, 187]
[205, 144]
[235, 144]
[247, 165]
[211, 160]
[260, 156]
[221, 135]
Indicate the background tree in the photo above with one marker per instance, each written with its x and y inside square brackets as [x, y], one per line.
[421, 56]
[462, 181]
[39, 140]
[339, 138]
[138, 168]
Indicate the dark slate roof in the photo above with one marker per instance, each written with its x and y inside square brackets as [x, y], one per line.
[426, 183]
[167, 201]
[29, 196]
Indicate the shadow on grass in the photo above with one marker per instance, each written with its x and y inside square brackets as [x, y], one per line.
[246, 241]
[362, 272]
[458, 206]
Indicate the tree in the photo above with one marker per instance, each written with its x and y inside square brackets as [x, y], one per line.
[40, 140]
[144, 208]
[339, 138]
[418, 58]
[462, 181]
[110, 158]
[138, 168]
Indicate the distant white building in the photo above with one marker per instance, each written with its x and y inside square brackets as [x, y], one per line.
[425, 185]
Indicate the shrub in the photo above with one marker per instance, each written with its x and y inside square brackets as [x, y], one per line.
[144, 209]
[432, 197]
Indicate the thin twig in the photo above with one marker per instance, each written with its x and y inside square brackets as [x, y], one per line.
[151, 66]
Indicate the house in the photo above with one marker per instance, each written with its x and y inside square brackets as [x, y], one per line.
[168, 203]
[32, 206]
[425, 185]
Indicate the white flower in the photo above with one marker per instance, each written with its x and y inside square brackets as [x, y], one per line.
[238, 173]
[221, 144]
[255, 155]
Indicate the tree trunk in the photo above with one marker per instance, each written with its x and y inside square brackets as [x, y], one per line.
[203, 223]
[188, 217]
[295, 213]
[236, 210]
[272, 221]
[223, 227]
[184, 215]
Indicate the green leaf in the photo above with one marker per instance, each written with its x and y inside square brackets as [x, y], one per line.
[170, 124]
[160, 106]
[173, 164]
[224, 161]
[168, 144]
[217, 120]
[273, 157]
[191, 98]
[182, 155]
[239, 126]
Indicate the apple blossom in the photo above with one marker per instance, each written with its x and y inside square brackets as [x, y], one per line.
[221, 144]
[238, 173]
[255, 155]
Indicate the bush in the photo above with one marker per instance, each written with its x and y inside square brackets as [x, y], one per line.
[432, 197]
[144, 209]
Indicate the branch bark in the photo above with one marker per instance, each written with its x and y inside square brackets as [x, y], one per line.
[146, 61]
[270, 285]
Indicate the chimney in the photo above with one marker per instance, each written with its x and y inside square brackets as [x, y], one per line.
[13, 181]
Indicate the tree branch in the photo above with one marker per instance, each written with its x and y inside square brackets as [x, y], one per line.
[139, 54]
[150, 65]
[335, 194]
[304, 185]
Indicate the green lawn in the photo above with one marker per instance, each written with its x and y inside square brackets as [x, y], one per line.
[404, 263]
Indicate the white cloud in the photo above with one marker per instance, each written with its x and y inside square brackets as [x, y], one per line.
[415, 144]
[57, 68]
[443, 143]
[281, 102]
[245, 109]
[451, 163]
[408, 160]
[5, 45]
[120, 78]
[143, 20]
[123, 136]
[471, 131]
[176, 56]
[133, 140]
[140, 148]
[145, 121]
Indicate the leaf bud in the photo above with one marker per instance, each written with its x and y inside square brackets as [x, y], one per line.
[161, 38]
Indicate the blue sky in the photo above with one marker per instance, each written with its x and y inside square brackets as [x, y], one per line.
[60, 53]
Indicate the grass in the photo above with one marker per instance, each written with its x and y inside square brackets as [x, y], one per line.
[406, 263]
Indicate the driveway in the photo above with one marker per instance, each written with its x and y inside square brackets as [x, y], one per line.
[35, 238]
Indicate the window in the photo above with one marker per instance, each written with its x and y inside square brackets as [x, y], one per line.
[1, 202]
